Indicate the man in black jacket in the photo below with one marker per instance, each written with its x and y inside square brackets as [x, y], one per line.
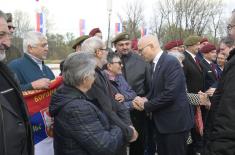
[220, 130]
[15, 130]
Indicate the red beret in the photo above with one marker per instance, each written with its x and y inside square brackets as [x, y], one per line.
[134, 44]
[171, 44]
[94, 31]
[179, 42]
[207, 48]
[203, 40]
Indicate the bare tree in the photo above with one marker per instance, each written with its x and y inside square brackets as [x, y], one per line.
[22, 22]
[133, 18]
[188, 16]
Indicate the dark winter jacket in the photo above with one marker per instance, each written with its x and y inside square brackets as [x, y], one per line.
[80, 127]
[220, 129]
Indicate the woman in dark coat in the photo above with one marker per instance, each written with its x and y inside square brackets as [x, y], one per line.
[80, 127]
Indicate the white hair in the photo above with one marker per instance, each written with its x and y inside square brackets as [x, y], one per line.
[32, 38]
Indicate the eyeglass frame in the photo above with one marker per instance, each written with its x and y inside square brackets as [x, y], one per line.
[118, 62]
[230, 27]
[141, 50]
[11, 27]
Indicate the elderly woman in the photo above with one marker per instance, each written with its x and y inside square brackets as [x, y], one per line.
[80, 127]
[123, 92]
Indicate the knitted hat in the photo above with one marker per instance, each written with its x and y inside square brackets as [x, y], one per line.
[208, 48]
[192, 40]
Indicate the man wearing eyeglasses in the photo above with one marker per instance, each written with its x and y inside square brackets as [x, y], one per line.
[220, 129]
[15, 130]
[13, 52]
[137, 73]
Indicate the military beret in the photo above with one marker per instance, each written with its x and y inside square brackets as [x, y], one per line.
[192, 40]
[171, 44]
[208, 48]
[9, 17]
[179, 42]
[94, 31]
[79, 40]
[121, 36]
[203, 40]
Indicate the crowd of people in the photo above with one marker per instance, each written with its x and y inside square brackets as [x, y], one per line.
[141, 99]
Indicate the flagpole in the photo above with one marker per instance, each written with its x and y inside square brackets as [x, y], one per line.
[109, 4]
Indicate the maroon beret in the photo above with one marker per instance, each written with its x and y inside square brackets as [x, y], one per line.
[207, 48]
[94, 31]
[171, 44]
[203, 40]
[179, 42]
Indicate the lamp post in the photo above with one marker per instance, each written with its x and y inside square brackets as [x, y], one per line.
[109, 8]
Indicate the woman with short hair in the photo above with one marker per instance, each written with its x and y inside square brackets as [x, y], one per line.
[80, 127]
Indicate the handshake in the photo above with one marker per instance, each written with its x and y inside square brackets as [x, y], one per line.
[138, 103]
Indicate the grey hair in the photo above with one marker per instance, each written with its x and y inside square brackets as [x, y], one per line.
[228, 41]
[92, 44]
[3, 15]
[178, 55]
[77, 67]
[32, 38]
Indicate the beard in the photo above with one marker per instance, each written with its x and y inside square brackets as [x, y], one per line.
[2, 55]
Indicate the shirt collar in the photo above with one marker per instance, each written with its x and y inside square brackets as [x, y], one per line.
[39, 62]
[192, 55]
[155, 60]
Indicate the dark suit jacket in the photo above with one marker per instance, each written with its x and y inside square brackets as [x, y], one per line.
[193, 74]
[167, 98]
[208, 75]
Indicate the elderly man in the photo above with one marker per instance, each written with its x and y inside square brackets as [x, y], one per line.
[220, 137]
[101, 93]
[137, 74]
[167, 99]
[30, 70]
[32, 74]
[226, 45]
[15, 130]
[12, 52]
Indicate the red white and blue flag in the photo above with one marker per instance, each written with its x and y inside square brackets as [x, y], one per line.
[117, 27]
[82, 27]
[143, 31]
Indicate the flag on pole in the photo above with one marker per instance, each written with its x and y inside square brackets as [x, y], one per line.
[117, 27]
[143, 31]
[40, 22]
[82, 27]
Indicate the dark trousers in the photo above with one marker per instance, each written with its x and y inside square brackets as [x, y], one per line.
[139, 122]
[172, 144]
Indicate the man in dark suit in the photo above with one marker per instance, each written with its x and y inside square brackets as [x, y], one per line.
[15, 130]
[167, 99]
[195, 83]
[209, 67]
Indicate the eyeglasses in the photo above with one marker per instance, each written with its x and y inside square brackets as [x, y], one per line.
[141, 50]
[119, 62]
[230, 27]
[103, 49]
[11, 27]
[45, 45]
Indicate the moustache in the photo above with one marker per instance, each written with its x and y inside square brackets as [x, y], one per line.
[3, 47]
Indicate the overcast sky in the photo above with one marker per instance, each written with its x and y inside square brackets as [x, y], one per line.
[65, 14]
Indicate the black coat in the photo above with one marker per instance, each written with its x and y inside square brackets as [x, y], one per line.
[220, 130]
[15, 129]
[101, 94]
[193, 74]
